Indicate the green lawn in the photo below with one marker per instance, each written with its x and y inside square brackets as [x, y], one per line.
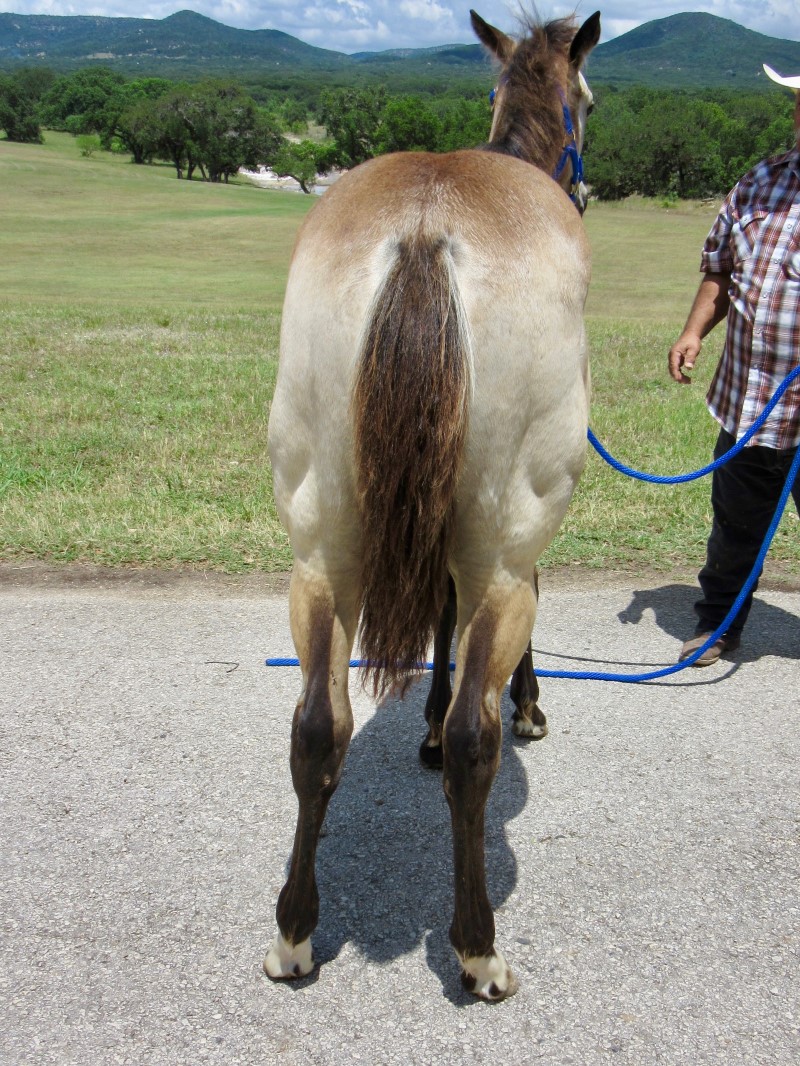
[645, 259]
[139, 323]
[101, 230]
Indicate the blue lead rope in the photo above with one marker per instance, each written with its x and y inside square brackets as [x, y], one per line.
[678, 479]
[653, 675]
[593, 675]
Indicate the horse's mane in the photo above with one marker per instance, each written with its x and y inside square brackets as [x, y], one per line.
[532, 121]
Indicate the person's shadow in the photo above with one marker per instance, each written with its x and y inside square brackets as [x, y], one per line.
[384, 866]
[770, 630]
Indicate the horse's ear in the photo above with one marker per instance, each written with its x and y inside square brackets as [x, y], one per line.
[584, 40]
[501, 46]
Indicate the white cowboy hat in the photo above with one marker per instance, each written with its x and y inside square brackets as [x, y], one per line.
[790, 83]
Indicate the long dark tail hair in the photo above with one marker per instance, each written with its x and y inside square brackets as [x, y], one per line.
[410, 407]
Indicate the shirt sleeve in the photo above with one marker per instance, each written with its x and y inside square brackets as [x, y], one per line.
[717, 255]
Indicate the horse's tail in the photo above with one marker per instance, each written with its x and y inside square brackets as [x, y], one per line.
[410, 407]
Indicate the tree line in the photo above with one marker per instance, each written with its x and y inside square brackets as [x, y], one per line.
[682, 144]
[679, 144]
[212, 128]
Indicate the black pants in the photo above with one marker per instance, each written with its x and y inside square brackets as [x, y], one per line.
[744, 494]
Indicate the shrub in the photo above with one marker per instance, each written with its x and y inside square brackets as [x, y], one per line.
[88, 144]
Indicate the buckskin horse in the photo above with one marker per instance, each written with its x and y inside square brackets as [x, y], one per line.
[427, 432]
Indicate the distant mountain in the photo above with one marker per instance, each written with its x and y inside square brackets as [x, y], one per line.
[153, 46]
[686, 50]
[447, 53]
[692, 50]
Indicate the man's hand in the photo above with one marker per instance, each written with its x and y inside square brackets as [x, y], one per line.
[683, 355]
[710, 307]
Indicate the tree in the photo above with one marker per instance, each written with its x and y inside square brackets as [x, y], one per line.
[139, 130]
[79, 102]
[776, 137]
[175, 142]
[303, 162]
[18, 112]
[35, 82]
[612, 150]
[464, 123]
[293, 115]
[680, 138]
[407, 124]
[227, 130]
[129, 116]
[352, 118]
[657, 142]
[758, 125]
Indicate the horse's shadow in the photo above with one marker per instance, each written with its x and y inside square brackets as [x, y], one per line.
[770, 630]
[384, 866]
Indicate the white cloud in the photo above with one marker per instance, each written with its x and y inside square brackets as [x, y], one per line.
[371, 39]
[356, 7]
[616, 27]
[772, 17]
[427, 10]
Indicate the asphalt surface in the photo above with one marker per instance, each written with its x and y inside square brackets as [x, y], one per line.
[643, 858]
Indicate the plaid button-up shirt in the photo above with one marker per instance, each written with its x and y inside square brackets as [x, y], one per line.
[756, 240]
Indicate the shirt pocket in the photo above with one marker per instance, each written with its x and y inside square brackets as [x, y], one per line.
[744, 235]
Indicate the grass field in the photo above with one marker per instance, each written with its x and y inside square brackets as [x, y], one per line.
[138, 340]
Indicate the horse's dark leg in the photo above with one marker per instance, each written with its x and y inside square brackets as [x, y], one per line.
[323, 722]
[528, 719]
[489, 648]
[438, 701]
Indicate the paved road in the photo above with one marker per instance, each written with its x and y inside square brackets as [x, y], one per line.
[643, 858]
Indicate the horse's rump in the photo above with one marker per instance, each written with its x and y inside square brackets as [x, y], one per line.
[410, 409]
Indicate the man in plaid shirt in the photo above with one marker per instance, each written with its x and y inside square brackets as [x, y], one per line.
[751, 262]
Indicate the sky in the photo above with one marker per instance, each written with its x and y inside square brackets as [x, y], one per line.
[375, 25]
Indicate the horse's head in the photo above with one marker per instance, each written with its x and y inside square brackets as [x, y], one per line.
[542, 99]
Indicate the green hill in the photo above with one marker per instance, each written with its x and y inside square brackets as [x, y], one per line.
[690, 50]
[183, 41]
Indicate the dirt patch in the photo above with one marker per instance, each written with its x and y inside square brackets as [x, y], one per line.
[86, 576]
[191, 582]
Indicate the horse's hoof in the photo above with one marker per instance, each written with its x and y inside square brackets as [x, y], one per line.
[532, 725]
[287, 962]
[524, 727]
[489, 977]
[430, 755]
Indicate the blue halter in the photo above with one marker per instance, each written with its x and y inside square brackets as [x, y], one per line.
[570, 151]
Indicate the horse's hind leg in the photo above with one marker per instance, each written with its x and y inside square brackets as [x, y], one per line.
[438, 701]
[528, 719]
[323, 627]
[490, 646]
